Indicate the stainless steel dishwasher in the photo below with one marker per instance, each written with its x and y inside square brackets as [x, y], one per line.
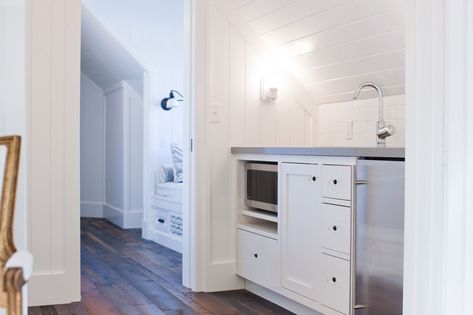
[379, 238]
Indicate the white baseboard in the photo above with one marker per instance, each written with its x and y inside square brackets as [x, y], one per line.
[125, 220]
[91, 209]
[145, 230]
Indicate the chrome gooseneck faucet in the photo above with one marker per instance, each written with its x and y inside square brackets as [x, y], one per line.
[382, 130]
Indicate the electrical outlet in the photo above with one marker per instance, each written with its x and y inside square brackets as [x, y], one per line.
[349, 125]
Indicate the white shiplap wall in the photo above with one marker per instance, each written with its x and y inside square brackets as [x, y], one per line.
[336, 119]
[91, 148]
[53, 75]
[234, 72]
[332, 46]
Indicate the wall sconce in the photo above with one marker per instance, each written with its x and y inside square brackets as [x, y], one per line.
[270, 87]
[170, 102]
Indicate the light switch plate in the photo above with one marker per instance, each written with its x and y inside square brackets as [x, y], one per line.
[214, 112]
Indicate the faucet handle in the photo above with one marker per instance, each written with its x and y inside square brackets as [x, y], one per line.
[385, 131]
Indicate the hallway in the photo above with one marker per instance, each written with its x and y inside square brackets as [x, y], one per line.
[123, 274]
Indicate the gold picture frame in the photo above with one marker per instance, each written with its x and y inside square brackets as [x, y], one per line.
[11, 280]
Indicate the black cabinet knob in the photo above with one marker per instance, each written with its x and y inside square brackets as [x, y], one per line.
[334, 279]
[256, 255]
[335, 181]
[314, 178]
[335, 228]
[161, 220]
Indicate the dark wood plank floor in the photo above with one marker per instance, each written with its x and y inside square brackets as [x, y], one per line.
[123, 274]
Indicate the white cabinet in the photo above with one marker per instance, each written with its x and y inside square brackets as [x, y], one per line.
[300, 215]
[336, 228]
[304, 251]
[335, 283]
[337, 181]
[258, 259]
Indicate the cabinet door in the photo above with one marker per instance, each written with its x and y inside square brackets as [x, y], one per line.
[300, 237]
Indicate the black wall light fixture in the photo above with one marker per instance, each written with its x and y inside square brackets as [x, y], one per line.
[170, 102]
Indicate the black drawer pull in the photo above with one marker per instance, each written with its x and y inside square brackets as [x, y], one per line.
[334, 279]
[335, 182]
[314, 178]
[335, 228]
[256, 255]
[161, 220]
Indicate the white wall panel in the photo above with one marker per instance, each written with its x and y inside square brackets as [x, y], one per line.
[219, 76]
[234, 74]
[335, 119]
[237, 88]
[53, 166]
[115, 148]
[123, 203]
[92, 148]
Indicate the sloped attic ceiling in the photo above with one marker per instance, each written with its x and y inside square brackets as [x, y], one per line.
[334, 45]
[103, 58]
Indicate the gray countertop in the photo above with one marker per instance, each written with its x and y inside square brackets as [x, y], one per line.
[368, 152]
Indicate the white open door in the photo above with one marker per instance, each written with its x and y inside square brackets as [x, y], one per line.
[53, 71]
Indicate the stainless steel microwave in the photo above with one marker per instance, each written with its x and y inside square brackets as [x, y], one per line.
[262, 186]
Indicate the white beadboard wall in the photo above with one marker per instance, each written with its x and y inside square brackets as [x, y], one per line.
[234, 71]
[335, 119]
[92, 141]
[153, 31]
[53, 75]
[123, 204]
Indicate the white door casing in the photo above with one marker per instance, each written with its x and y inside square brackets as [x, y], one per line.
[438, 273]
[53, 72]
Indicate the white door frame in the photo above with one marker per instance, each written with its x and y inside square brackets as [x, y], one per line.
[191, 277]
[193, 265]
[438, 272]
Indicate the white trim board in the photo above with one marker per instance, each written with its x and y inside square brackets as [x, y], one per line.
[438, 256]
[91, 209]
[124, 219]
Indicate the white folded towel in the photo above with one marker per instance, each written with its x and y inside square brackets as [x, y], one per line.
[166, 173]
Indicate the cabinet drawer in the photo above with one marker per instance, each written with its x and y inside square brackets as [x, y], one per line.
[160, 219]
[335, 283]
[336, 228]
[258, 259]
[337, 182]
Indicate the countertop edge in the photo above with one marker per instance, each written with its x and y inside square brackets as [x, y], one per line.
[360, 152]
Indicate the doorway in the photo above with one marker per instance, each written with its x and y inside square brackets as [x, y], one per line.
[133, 119]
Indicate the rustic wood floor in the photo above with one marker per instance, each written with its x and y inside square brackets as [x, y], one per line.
[123, 274]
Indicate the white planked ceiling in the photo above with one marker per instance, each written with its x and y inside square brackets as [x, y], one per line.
[103, 58]
[332, 46]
